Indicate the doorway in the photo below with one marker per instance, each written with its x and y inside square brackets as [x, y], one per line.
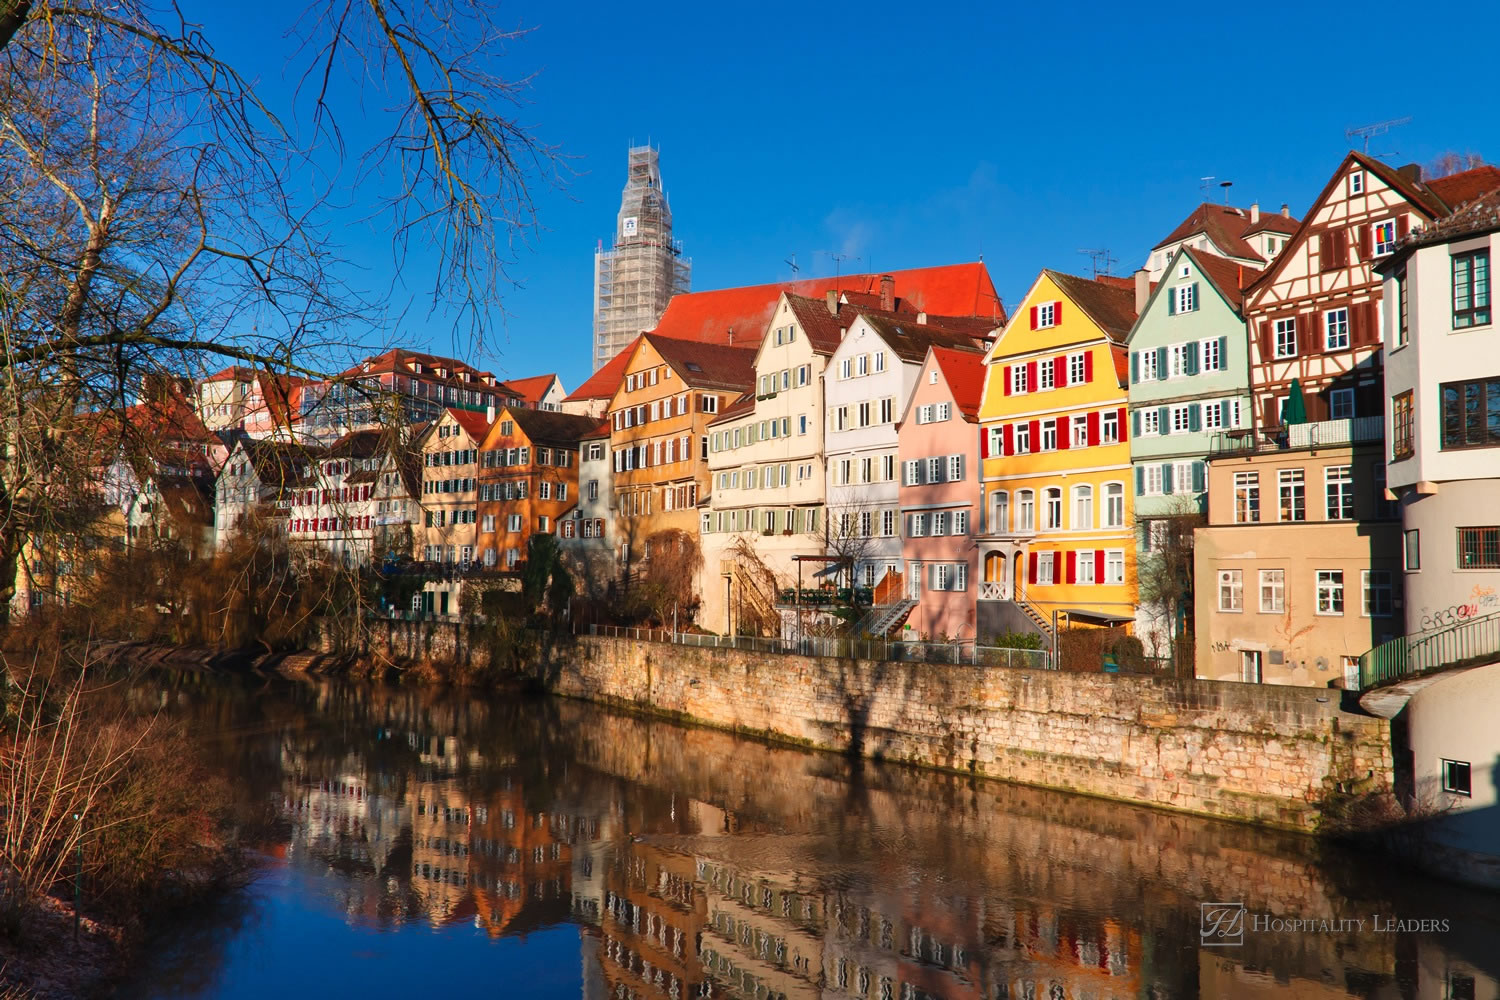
[1250, 666]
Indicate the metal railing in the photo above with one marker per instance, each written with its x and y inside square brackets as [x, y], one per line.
[955, 653]
[1315, 434]
[1411, 655]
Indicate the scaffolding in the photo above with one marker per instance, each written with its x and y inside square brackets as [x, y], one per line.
[634, 279]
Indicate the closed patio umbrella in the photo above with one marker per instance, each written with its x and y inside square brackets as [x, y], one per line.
[1296, 405]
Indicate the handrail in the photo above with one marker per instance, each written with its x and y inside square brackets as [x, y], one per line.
[1411, 655]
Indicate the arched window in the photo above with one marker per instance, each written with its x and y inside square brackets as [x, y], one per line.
[1052, 514]
[1114, 505]
[1025, 510]
[1083, 508]
[999, 511]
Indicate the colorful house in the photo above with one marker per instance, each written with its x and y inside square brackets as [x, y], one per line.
[528, 479]
[1057, 539]
[940, 495]
[1189, 388]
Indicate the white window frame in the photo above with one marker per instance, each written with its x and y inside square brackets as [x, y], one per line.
[1287, 348]
[1077, 369]
[1151, 481]
[1114, 505]
[1083, 507]
[1046, 375]
[1326, 586]
[1109, 427]
[1209, 348]
[1272, 583]
[1147, 366]
[1046, 566]
[1336, 329]
[1114, 566]
[1182, 418]
[1384, 245]
[1187, 301]
[1231, 591]
[1046, 315]
[1210, 416]
[1018, 380]
[1150, 422]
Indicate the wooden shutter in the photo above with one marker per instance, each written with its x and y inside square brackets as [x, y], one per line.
[984, 443]
[1033, 317]
[1323, 255]
[1006, 376]
[1093, 425]
[1031, 381]
[1265, 342]
[1171, 301]
[1057, 313]
[1031, 567]
[1088, 366]
[1163, 420]
[1098, 565]
[1064, 427]
[1341, 247]
[1036, 436]
[1136, 423]
[1072, 566]
[1135, 367]
[1161, 362]
[1366, 242]
[1140, 478]
[1224, 414]
[1223, 354]
[1060, 371]
[1120, 423]
[1190, 362]
[1010, 439]
[1197, 477]
[1272, 418]
[1195, 420]
[1310, 334]
[1403, 226]
[1357, 327]
[1166, 477]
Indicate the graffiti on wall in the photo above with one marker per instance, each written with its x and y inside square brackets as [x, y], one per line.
[1481, 600]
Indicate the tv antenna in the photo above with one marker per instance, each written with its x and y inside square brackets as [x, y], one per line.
[838, 262]
[1204, 183]
[1101, 261]
[1363, 132]
[791, 262]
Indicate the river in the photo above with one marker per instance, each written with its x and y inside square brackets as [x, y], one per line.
[428, 842]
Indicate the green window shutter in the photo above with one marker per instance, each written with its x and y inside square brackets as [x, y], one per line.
[1195, 421]
[1192, 357]
[1166, 477]
[1196, 304]
[1197, 477]
[1224, 413]
[1161, 362]
[1140, 474]
[1136, 420]
[1135, 367]
[1163, 420]
[1223, 354]
[1171, 302]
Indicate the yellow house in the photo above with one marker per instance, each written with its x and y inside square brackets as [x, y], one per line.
[1056, 541]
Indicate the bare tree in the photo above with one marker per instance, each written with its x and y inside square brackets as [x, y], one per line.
[163, 217]
[1451, 162]
[1164, 578]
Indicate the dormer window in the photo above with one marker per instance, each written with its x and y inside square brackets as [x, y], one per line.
[416, 366]
[1357, 182]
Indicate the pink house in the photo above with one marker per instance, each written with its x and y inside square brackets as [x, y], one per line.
[939, 455]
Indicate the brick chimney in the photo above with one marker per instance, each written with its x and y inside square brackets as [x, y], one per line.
[731, 336]
[1142, 289]
[833, 301]
[1254, 212]
[887, 293]
[1286, 213]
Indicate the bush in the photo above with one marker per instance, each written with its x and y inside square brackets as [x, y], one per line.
[1016, 640]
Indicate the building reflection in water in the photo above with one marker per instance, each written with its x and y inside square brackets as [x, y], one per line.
[697, 865]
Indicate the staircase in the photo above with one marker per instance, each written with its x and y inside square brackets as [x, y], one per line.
[1034, 614]
[1467, 642]
[883, 618]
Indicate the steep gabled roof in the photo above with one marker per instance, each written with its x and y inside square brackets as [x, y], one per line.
[551, 425]
[707, 366]
[964, 372]
[1458, 190]
[822, 328]
[474, 424]
[1111, 307]
[1480, 216]
[358, 444]
[910, 340]
[400, 361]
[606, 381]
[742, 405]
[279, 463]
[532, 388]
[1227, 227]
[1229, 278]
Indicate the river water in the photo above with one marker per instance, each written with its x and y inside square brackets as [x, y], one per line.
[430, 843]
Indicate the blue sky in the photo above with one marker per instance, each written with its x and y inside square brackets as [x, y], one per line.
[910, 135]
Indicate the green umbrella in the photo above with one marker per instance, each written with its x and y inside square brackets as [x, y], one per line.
[1296, 405]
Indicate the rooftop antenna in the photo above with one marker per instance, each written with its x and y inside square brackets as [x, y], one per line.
[838, 263]
[1226, 185]
[791, 262]
[1363, 132]
[1204, 182]
[1101, 261]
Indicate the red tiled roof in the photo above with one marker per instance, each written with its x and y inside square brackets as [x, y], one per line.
[741, 406]
[1108, 305]
[1227, 227]
[1122, 364]
[235, 373]
[706, 365]
[1229, 278]
[604, 382]
[1459, 189]
[822, 328]
[601, 430]
[531, 389]
[474, 424]
[910, 340]
[398, 360]
[952, 290]
[964, 371]
[553, 426]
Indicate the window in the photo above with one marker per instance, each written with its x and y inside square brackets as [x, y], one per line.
[1471, 414]
[1187, 297]
[1286, 338]
[1182, 419]
[1384, 235]
[1246, 497]
[1083, 564]
[1479, 548]
[1357, 182]
[1044, 566]
[1184, 358]
[1411, 550]
[1457, 778]
[1213, 416]
[1147, 365]
[1150, 421]
[888, 522]
[1293, 496]
[1052, 517]
[1114, 505]
[1025, 510]
[1330, 591]
[999, 511]
[846, 368]
[940, 522]
[1151, 480]
[1079, 438]
[1017, 379]
[1049, 435]
[1401, 426]
[1046, 375]
[1338, 486]
[1272, 591]
[1231, 590]
[1114, 566]
[960, 522]
[1376, 585]
[1023, 438]
[1336, 329]
[1402, 309]
[1083, 508]
[862, 365]
[1046, 315]
[1471, 289]
[955, 468]
[1109, 427]
[888, 409]
[1341, 404]
[918, 525]
[1213, 358]
[1077, 369]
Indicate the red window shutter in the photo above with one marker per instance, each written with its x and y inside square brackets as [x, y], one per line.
[1088, 366]
[1093, 428]
[1403, 226]
[984, 442]
[1036, 435]
[1310, 337]
[1031, 382]
[1265, 340]
[1366, 242]
[1007, 379]
[1033, 317]
[1272, 417]
[1010, 439]
[1120, 433]
[1064, 433]
[1031, 568]
[1057, 313]
[1098, 565]
[1059, 371]
[1072, 566]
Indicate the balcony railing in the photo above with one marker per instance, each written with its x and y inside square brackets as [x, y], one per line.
[993, 591]
[1318, 434]
[1471, 641]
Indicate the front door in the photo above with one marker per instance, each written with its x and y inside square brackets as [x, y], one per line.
[1250, 666]
[442, 602]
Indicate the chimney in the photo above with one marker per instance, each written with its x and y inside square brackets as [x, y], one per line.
[887, 293]
[833, 301]
[731, 336]
[489, 414]
[922, 318]
[1142, 289]
[1286, 213]
[1412, 172]
[1254, 212]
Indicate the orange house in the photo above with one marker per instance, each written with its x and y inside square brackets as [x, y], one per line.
[528, 479]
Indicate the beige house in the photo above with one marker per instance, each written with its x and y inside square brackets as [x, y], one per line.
[1298, 570]
[448, 534]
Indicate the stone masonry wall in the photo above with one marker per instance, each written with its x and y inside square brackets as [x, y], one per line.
[1264, 754]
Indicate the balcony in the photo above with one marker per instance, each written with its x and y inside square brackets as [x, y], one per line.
[993, 591]
[1317, 434]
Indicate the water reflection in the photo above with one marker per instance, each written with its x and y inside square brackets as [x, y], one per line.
[676, 863]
